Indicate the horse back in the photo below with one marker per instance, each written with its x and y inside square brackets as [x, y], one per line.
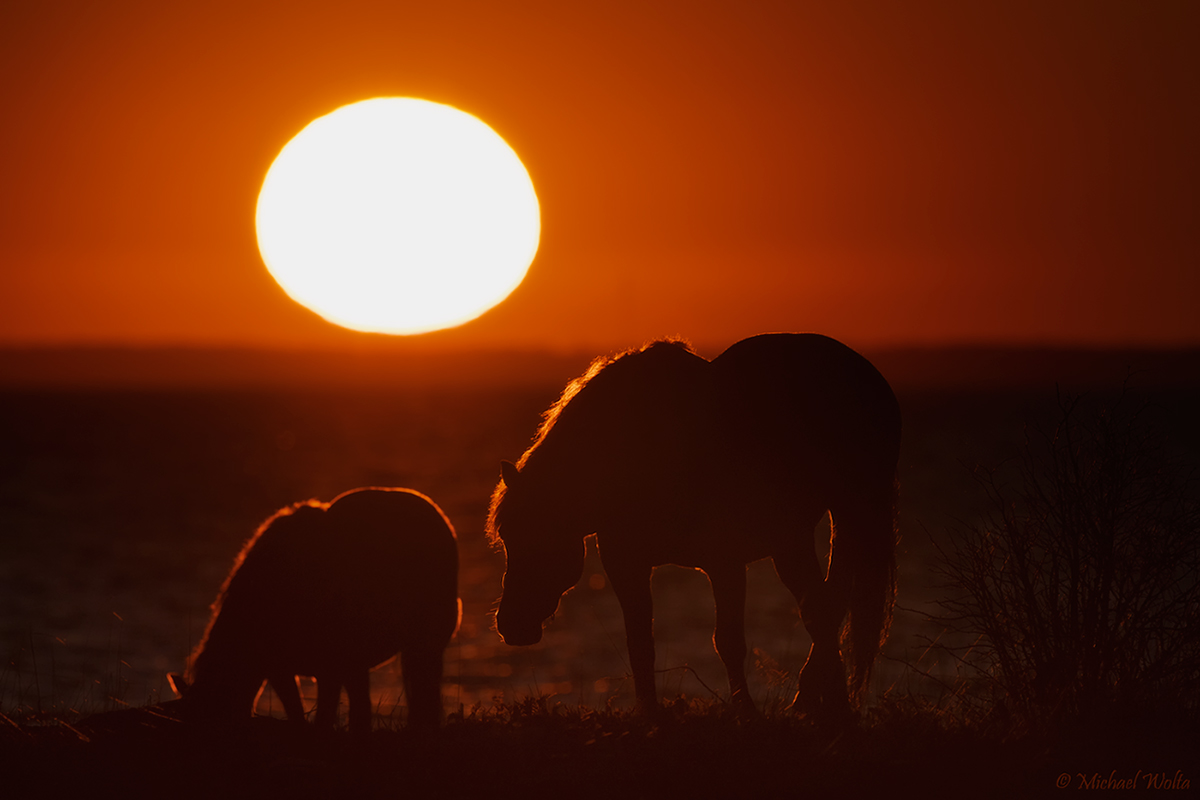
[351, 582]
[638, 430]
[804, 406]
[392, 560]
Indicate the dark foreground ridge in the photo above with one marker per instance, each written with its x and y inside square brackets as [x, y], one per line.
[531, 750]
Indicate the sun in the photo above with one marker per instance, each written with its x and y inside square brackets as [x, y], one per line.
[398, 215]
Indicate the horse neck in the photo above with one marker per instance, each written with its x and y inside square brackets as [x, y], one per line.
[571, 486]
[226, 653]
[643, 404]
[578, 455]
[221, 689]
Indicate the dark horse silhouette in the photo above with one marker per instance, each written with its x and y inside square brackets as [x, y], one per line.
[672, 459]
[332, 590]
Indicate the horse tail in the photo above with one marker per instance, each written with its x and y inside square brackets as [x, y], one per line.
[865, 556]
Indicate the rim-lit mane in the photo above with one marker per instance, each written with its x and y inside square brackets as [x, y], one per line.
[551, 416]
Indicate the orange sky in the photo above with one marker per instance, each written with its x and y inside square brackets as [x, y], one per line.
[887, 173]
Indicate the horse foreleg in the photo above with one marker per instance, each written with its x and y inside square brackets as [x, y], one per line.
[287, 689]
[358, 698]
[329, 694]
[729, 636]
[632, 587]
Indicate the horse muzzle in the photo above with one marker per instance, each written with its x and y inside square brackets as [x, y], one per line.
[518, 633]
[523, 638]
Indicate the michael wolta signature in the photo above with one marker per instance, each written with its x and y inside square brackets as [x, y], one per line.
[1138, 780]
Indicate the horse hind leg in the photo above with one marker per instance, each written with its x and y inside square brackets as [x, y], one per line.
[822, 683]
[287, 689]
[329, 695]
[729, 635]
[358, 698]
[862, 575]
[422, 668]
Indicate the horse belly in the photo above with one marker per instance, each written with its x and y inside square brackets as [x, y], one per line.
[701, 535]
[759, 521]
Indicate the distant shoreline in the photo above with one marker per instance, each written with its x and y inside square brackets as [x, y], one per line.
[913, 369]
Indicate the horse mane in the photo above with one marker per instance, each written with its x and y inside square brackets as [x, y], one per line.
[551, 416]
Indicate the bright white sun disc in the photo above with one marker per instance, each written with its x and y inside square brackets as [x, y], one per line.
[398, 215]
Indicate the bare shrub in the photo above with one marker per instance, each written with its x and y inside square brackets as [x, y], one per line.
[1082, 586]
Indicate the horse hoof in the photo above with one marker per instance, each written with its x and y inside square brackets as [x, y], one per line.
[743, 705]
[804, 703]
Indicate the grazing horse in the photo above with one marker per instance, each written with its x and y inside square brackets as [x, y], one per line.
[672, 459]
[332, 590]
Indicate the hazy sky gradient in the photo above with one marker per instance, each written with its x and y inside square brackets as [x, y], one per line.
[887, 173]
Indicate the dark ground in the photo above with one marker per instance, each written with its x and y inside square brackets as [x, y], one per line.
[526, 750]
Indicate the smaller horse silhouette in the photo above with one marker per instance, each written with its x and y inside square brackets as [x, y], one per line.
[332, 590]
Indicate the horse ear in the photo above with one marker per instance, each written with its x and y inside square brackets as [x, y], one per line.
[178, 683]
[510, 473]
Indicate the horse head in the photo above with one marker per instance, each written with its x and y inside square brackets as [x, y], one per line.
[221, 699]
[544, 553]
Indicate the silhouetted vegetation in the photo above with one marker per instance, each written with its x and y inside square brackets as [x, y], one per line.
[1081, 589]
